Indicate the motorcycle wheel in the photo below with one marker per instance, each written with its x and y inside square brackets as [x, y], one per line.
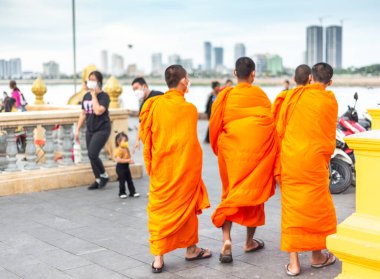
[340, 176]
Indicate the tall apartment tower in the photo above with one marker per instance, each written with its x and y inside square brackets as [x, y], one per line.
[239, 51]
[334, 46]
[207, 50]
[314, 45]
[218, 51]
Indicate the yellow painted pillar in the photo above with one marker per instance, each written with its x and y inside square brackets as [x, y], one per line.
[114, 89]
[375, 114]
[357, 241]
[39, 89]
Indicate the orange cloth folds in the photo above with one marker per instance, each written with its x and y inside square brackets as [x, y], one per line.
[307, 126]
[243, 135]
[276, 106]
[173, 159]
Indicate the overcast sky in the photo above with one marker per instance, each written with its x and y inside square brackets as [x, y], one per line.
[41, 30]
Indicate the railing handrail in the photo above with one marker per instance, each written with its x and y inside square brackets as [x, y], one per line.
[50, 117]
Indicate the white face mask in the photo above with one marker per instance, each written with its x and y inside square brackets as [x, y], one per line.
[139, 94]
[91, 84]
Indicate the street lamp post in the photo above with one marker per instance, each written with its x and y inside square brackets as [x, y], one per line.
[74, 48]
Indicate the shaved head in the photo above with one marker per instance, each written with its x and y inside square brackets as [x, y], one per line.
[174, 74]
[244, 66]
[302, 74]
[322, 72]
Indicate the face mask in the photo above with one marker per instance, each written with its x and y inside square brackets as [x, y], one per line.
[124, 144]
[139, 94]
[91, 84]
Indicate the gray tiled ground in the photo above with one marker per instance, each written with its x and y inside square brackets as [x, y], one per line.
[75, 233]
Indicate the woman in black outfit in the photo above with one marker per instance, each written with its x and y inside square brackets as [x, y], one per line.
[95, 112]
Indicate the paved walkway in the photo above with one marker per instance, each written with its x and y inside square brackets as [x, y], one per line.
[76, 233]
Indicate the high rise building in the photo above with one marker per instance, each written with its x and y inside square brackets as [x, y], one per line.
[219, 63]
[4, 72]
[187, 64]
[15, 68]
[274, 65]
[260, 63]
[314, 45]
[117, 62]
[334, 46]
[50, 70]
[208, 55]
[239, 51]
[157, 66]
[104, 61]
[174, 59]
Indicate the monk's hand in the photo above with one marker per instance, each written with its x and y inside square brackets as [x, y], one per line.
[136, 146]
[131, 161]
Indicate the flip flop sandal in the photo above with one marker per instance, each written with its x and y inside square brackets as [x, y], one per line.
[157, 269]
[326, 262]
[260, 245]
[199, 256]
[290, 273]
[225, 258]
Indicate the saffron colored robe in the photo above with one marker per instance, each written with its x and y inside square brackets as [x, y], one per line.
[243, 136]
[173, 159]
[307, 127]
[276, 106]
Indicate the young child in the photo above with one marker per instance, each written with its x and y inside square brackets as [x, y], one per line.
[123, 159]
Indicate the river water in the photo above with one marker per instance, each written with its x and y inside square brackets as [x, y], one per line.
[59, 94]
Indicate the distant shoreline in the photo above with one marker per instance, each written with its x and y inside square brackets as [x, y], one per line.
[262, 81]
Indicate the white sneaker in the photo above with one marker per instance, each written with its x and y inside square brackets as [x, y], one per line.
[123, 196]
[136, 195]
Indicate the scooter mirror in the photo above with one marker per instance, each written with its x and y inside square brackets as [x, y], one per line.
[356, 96]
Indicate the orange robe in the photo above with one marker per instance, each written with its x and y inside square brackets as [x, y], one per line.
[276, 106]
[307, 127]
[243, 136]
[173, 159]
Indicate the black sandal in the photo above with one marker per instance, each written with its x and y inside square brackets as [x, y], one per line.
[260, 245]
[225, 258]
[157, 269]
[200, 255]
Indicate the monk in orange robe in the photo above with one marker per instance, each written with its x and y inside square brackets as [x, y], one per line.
[302, 77]
[306, 128]
[173, 159]
[243, 136]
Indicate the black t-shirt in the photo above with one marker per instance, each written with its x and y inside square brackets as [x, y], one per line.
[95, 122]
[151, 94]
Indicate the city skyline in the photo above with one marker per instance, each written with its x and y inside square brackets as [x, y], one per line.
[269, 27]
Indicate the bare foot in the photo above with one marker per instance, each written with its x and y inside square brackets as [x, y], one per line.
[227, 248]
[294, 269]
[158, 261]
[250, 245]
[322, 259]
[193, 252]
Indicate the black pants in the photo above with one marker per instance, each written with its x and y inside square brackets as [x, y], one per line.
[95, 142]
[207, 137]
[124, 174]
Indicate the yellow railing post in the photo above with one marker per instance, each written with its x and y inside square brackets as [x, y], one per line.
[375, 114]
[39, 89]
[114, 90]
[357, 241]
